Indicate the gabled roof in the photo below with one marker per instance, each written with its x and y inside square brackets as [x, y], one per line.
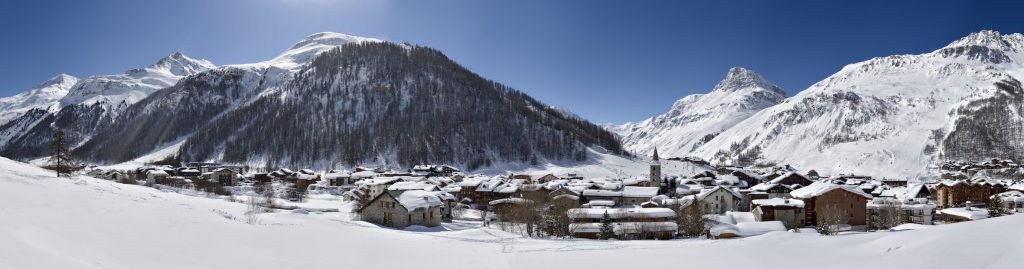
[602, 193]
[639, 192]
[819, 188]
[415, 199]
[778, 202]
[705, 192]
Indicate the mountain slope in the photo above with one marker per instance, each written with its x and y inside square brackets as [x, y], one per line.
[697, 118]
[358, 102]
[92, 102]
[171, 115]
[893, 116]
[43, 96]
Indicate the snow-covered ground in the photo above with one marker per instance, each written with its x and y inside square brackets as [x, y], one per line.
[48, 222]
[598, 164]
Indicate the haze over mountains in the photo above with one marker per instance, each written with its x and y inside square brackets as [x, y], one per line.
[335, 99]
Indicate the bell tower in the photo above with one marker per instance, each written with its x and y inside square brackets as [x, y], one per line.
[655, 169]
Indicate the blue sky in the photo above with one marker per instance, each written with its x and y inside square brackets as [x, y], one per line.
[609, 61]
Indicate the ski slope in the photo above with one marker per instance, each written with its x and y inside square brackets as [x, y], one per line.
[48, 222]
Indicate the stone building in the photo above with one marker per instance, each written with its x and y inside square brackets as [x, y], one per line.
[414, 207]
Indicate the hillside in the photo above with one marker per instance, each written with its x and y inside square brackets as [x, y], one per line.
[334, 99]
[696, 119]
[90, 103]
[893, 116]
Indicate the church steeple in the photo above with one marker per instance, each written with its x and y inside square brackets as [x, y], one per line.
[655, 169]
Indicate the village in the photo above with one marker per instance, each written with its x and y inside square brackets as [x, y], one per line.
[715, 203]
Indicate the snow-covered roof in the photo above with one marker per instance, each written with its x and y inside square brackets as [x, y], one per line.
[610, 185]
[787, 175]
[741, 217]
[412, 185]
[471, 182]
[639, 192]
[490, 185]
[910, 203]
[778, 202]
[416, 199]
[973, 214]
[618, 213]
[601, 203]
[423, 167]
[705, 192]
[621, 228]
[576, 189]
[819, 188]
[507, 188]
[602, 193]
[156, 172]
[745, 229]
[767, 186]
[363, 174]
[1017, 187]
[565, 196]
[330, 176]
[304, 176]
[512, 200]
[748, 173]
[634, 181]
[728, 180]
[1011, 196]
[378, 181]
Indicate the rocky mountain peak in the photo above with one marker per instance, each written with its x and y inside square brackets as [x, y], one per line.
[739, 78]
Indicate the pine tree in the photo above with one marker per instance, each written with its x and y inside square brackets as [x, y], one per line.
[61, 156]
[607, 231]
[996, 207]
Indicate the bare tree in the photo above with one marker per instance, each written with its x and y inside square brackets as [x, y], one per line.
[830, 218]
[254, 208]
[519, 217]
[691, 220]
[556, 220]
[888, 214]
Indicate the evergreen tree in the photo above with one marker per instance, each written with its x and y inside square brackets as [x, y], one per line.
[996, 207]
[607, 231]
[61, 156]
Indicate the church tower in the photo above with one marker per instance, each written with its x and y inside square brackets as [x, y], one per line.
[655, 169]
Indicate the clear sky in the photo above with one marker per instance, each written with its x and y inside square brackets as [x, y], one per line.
[608, 61]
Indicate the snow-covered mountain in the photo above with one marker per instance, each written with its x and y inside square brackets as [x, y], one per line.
[894, 116]
[337, 99]
[135, 84]
[43, 96]
[697, 118]
[91, 102]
